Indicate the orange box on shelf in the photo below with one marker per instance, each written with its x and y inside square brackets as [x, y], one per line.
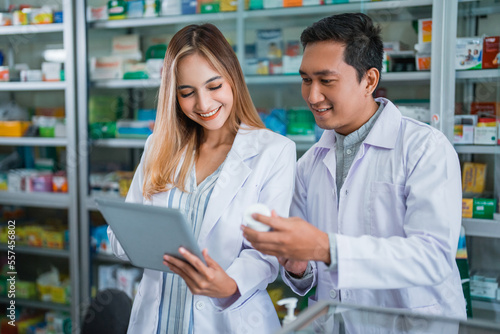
[13, 128]
[485, 109]
[292, 3]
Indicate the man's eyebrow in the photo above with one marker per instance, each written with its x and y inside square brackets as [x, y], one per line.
[323, 72]
[206, 82]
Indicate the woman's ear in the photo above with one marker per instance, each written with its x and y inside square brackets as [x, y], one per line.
[372, 77]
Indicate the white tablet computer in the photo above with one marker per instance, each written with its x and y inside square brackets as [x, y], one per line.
[148, 232]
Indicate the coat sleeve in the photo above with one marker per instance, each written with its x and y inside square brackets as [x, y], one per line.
[299, 209]
[425, 255]
[253, 270]
[134, 195]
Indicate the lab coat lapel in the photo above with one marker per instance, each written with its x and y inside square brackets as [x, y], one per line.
[231, 179]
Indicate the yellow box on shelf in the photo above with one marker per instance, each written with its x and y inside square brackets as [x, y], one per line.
[467, 206]
[13, 128]
[473, 177]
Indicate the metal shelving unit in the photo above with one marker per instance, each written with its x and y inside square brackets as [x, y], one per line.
[32, 29]
[481, 228]
[39, 200]
[68, 201]
[38, 251]
[163, 20]
[470, 82]
[477, 149]
[442, 81]
[37, 304]
[32, 86]
[32, 141]
[397, 77]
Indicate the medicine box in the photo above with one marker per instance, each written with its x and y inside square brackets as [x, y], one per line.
[483, 287]
[491, 52]
[256, 66]
[291, 64]
[485, 135]
[463, 131]
[484, 208]
[171, 7]
[105, 68]
[269, 43]
[485, 109]
[13, 128]
[425, 31]
[467, 206]
[273, 4]
[127, 47]
[473, 177]
[228, 5]
[468, 53]
[188, 7]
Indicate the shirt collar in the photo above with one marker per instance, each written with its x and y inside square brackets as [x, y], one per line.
[383, 132]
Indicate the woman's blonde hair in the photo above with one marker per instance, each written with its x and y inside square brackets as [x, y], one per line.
[175, 136]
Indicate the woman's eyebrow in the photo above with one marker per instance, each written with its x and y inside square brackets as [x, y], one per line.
[206, 82]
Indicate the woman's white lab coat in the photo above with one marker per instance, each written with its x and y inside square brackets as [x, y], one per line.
[398, 219]
[260, 167]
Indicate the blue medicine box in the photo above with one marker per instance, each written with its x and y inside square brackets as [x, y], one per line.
[189, 7]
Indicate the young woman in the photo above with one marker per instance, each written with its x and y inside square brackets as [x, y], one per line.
[211, 157]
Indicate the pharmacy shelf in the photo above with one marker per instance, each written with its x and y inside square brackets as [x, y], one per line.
[121, 84]
[162, 20]
[37, 251]
[36, 304]
[410, 77]
[119, 143]
[492, 305]
[479, 74]
[32, 86]
[39, 200]
[31, 29]
[477, 149]
[481, 228]
[32, 141]
[337, 8]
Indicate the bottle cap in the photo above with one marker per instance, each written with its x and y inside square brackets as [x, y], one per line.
[252, 223]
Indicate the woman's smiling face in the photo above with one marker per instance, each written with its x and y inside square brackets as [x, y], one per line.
[203, 94]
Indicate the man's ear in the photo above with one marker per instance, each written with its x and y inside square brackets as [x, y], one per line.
[372, 77]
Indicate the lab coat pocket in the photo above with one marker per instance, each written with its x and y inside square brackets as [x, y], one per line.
[387, 209]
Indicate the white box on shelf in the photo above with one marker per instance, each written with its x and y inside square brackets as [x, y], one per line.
[106, 68]
[51, 71]
[127, 46]
[483, 289]
[291, 64]
[171, 7]
[468, 54]
[485, 135]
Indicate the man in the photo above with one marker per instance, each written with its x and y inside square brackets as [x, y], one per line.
[376, 212]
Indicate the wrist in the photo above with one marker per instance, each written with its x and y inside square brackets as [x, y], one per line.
[324, 249]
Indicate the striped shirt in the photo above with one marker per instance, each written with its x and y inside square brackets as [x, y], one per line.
[176, 306]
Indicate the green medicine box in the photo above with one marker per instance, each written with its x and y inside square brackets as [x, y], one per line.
[484, 208]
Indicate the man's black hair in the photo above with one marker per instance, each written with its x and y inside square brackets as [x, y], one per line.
[363, 45]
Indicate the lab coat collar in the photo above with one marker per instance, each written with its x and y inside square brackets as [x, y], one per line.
[383, 134]
[386, 129]
[231, 178]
